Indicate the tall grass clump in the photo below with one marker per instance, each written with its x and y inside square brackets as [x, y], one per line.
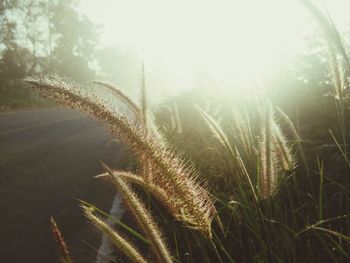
[276, 193]
[186, 200]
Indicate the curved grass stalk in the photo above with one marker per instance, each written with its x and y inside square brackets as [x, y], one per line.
[223, 139]
[217, 131]
[243, 132]
[116, 221]
[143, 98]
[158, 193]
[121, 243]
[143, 218]
[283, 151]
[168, 169]
[296, 135]
[152, 188]
[66, 258]
[120, 95]
[268, 171]
[146, 168]
[339, 83]
[331, 33]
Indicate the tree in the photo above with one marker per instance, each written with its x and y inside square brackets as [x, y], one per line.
[34, 17]
[7, 27]
[75, 39]
[43, 37]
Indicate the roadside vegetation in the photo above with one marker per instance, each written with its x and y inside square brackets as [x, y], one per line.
[45, 37]
[259, 177]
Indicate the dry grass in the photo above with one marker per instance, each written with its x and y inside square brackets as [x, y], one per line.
[187, 200]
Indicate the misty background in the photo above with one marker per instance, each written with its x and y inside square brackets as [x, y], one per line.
[52, 37]
[185, 45]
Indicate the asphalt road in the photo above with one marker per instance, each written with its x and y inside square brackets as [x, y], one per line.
[48, 159]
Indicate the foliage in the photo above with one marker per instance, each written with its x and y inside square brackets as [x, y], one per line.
[42, 36]
[278, 197]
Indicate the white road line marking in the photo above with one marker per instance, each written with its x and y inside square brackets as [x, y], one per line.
[107, 249]
[38, 126]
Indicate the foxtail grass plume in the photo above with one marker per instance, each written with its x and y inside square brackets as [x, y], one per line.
[282, 149]
[157, 192]
[65, 255]
[169, 171]
[123, 97]
[267, 156]
[143, 218]
[275, 155]
[121, 243]
[143, 97]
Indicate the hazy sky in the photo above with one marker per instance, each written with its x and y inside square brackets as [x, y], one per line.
[225, 38]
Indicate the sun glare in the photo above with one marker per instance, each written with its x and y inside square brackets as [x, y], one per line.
[233, 41]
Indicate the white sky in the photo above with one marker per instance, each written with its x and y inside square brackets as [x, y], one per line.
[229, 39]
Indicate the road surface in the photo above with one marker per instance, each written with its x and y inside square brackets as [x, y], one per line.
[48, 159]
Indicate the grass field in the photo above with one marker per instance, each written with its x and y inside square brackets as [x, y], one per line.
[261, 175]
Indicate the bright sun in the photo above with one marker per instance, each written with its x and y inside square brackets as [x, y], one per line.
[231, 40]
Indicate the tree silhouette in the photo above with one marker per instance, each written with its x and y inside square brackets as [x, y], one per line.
[43, 37]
